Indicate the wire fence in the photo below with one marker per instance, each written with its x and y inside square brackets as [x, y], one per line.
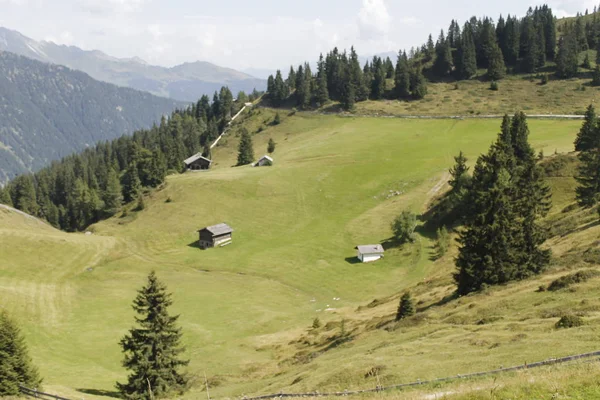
[431, 381]
[47, 396]
[39, 395]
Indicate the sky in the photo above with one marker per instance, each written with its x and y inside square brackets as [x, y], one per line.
[243, 34]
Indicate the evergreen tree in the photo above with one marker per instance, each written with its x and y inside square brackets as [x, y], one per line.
[245, 149]
[501, 241]
[406, 308]
[430, 48]
[533, 200]
[549, 32]
[361, 88]
[418, 84]
[540, 56]
[322, 94]
[378, 83]
[291, 80]
[467, 61]
[404, 227]
[5, 197]
[458, 172]
[112, 196]
[442, 64]
[586, 62]
[581, 37]
[23, 194]
[277, 119]
[567, 63]
[347, 90]
[389, 68]
[303, 86]
[153, 350]
[512, 44]
[530, 46]
[130, 183]
[588, 177]
[596, 76]
[271, 146]
[587, 134]
[496, 66]
[402, 77]
[16, 367]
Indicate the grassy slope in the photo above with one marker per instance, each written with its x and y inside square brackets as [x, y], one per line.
[296, 225]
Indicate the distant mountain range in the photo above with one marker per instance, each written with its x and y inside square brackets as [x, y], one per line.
[187, 82]
[49, 111]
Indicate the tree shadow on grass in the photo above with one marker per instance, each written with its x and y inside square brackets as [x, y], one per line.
[99, 392]
[445, 300]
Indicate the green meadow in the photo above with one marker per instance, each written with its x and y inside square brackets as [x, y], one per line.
[246, 308]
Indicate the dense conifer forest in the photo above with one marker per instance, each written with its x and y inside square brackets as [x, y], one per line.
[84, 188]
[510, 45]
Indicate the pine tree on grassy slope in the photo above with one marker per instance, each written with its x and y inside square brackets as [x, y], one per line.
[15, 365]
[153, 349]
[245, 149]
[501, 240]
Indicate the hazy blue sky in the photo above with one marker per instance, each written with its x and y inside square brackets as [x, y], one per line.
[246, 33]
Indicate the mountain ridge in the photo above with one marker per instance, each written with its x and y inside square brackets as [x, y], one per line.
[186, 82]
[48, 111]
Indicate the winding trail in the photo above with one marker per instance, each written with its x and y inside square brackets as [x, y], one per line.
[229, 124]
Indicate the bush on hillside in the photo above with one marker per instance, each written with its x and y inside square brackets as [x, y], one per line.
[544, 79]
[568, 280]
[569, 321]
[277, 119]
[494, 85]
[404, 227]
[443, 241]
[316, 323]
[560, 165]
[406, 308]
[140, 205]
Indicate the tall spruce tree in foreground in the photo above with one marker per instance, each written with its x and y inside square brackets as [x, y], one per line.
[153, 350]
[501, 240]
[245, 149]
[15, 365]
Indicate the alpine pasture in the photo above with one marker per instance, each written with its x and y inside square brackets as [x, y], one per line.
[336, 182]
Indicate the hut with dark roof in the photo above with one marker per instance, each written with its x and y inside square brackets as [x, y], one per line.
[216, 235]
[197, 162]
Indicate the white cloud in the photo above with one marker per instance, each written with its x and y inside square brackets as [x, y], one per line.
[109, 6]
[373, 19]
[410, 21]
[14, 2]
[154, 30]
[64, 37]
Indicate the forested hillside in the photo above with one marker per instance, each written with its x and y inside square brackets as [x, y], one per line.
[481, 48]
[84, 188]
[49, 111]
